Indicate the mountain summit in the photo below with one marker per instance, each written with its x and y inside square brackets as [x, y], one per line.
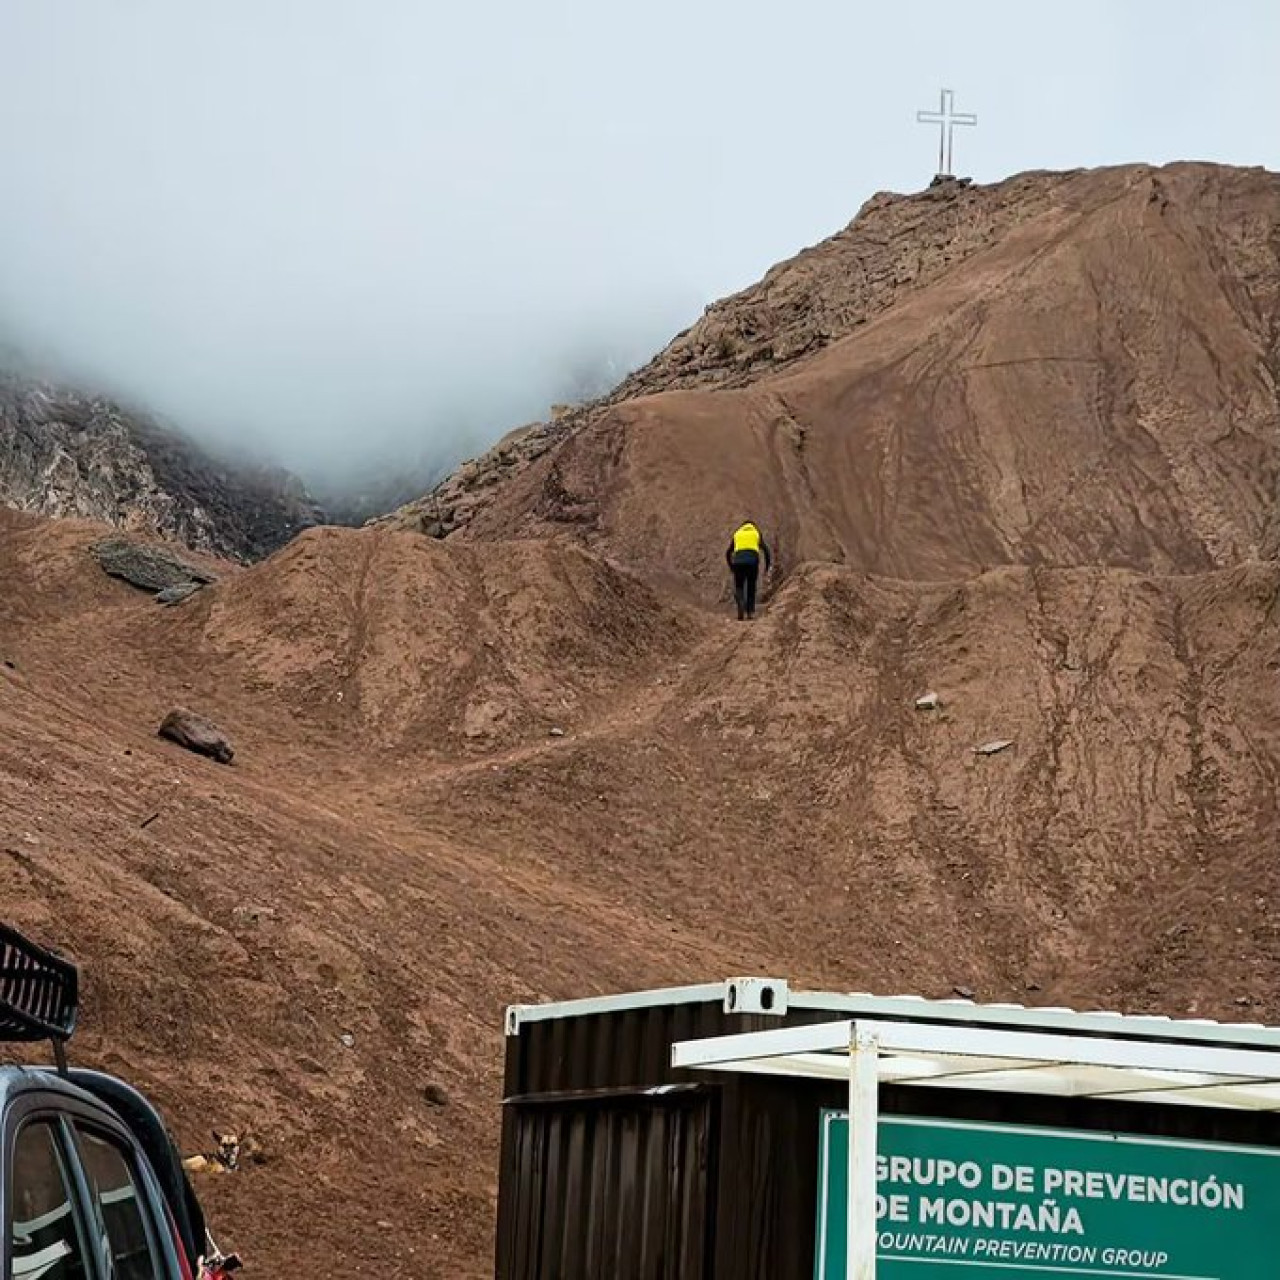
[1061, 369]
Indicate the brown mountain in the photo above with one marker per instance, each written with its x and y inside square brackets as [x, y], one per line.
[1065, 369]
[1030, 467]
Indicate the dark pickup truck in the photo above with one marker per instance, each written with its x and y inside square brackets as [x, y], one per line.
[91, 1184]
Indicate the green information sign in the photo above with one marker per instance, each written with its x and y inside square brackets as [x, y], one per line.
[1013, 1203]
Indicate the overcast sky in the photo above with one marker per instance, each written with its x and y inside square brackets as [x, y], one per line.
[355, 229]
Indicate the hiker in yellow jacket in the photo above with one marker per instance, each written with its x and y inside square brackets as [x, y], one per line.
[743, 557]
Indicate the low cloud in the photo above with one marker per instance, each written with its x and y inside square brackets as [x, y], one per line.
[353, 236]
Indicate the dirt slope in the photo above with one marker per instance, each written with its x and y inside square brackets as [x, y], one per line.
[273, 907]
[1063, 369]
[1031, 467]
[397, 863]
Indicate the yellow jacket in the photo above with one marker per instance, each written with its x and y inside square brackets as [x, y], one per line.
[747, 539]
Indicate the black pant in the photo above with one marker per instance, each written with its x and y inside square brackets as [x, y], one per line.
[746, 569]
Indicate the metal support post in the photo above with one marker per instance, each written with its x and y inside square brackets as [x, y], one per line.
[864, 1114]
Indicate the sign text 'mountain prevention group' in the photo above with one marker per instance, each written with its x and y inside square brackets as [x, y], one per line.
[958, 1200]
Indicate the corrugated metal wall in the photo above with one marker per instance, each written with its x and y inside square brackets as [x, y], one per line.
[615, 1186]
[751, 1195]
[626, 1048]
[768, 1192]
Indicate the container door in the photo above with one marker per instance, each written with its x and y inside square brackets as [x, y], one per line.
[609, 1188]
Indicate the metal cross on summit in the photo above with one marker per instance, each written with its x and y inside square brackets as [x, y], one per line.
[946, 118]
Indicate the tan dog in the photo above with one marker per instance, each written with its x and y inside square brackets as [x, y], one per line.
[225, 1157]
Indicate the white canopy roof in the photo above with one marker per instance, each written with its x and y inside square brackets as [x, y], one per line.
[866, 1052]
[946, 1055]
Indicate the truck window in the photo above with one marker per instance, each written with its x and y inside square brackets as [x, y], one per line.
[122, 1207]
[46, 1236]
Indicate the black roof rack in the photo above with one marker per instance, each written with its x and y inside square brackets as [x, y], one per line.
[38, 991]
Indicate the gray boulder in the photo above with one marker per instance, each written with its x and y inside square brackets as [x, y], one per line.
[197, 734]
[150, 568]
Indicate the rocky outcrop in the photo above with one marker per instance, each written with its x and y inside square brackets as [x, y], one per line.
[67, 454]
[155, 569]
[450, 504]
[895, 245]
